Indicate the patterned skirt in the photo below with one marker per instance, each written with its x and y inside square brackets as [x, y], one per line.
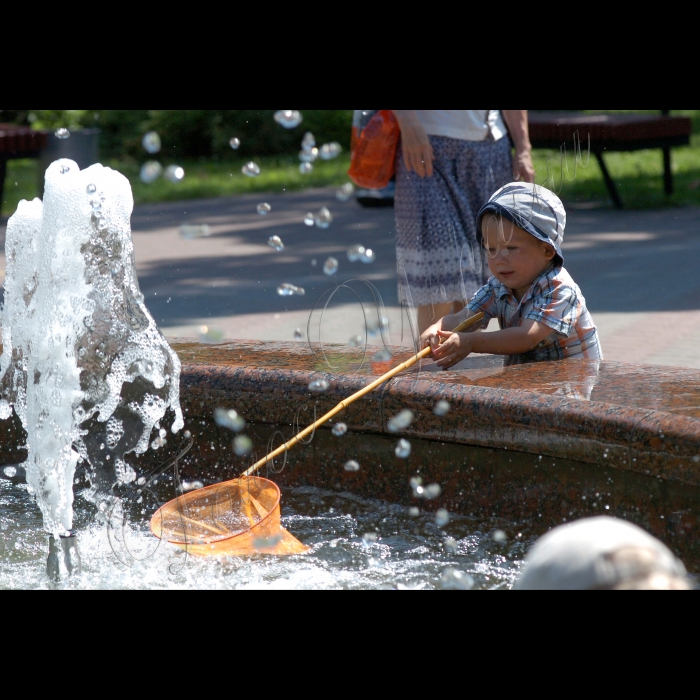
[439, 258]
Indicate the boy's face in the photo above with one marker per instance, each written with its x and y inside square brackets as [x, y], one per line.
[515, 257]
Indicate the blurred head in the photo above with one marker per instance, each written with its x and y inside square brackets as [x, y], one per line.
[601, 554]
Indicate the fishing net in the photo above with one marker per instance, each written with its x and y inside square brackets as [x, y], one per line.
[233, 518]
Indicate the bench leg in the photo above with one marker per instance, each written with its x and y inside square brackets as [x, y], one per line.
[3, 172]
[668, 173]
[612, 189]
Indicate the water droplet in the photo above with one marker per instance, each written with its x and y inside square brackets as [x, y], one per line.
[369, 538]
[10, 471]
[162, 432]
[5, 410]
[308, 156]
[356, 341]
[191, 231]
[499, 536]
[330, 267]
[62, 133]
[211, 336]
[432, 491]
[251, 169]
[452, 579]
[298, 335]
[401, 421]
[151, 171]
[174, 173]
[403, 449]
[330, 150]
[288, 290]
[91, 189]
[276, 243]
[308, 142]
[288, 118]
[151, 142]
[414, 512]
[382, 355]
[442, 408]
[352, 466]
[442, 517]
[318, 386]
[324, 218]
[368, 256]
[344, 193]
[103, 506]
[264, 209]
[187, 434]
[339, 429]
[188, 486]
[356, 253]
[451, 546]
[309, 219]
[235, 143]
[228, 418]
[306, 168]
[242, 445]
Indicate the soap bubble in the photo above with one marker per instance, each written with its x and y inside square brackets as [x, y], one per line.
[62, 133]
[264, 209]
[187, 434]
[368, 256]
[499, 536]
[188, 486]
[305, 168]
[276, 243]
[414, 512]
[191, 231]
[456, 580]
[298, 335]
[344, 193]
[235, 143]
[352, 466]
[228, 418]
[288, 290]
[251, 169]
[242, 445]
[442, 408]
[403, 449]
[308, 142]
[318, 386]
[339, 429]
[442, 517]
[210, 336]
[10, 471]
[308, 156]
[355, 253]
[330, 150]
[382, 355]
[451, 546]
[401, 421]
[151, 171]
[288, 118]
[174, 173]
[309, 219]
[324, 218]
[416, 484]
[432, 491]
[330, 267]
[91, 189]
[151, 142]
[356, 341]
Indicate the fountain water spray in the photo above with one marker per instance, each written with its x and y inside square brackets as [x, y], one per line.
[83, 365]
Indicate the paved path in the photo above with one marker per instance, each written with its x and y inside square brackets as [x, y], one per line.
[638, 270]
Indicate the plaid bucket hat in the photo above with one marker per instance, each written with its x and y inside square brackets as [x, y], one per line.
[532, 208]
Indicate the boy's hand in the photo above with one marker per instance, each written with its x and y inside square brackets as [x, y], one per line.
[430, 337]
[455, 348]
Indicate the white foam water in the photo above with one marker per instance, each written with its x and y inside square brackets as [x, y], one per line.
[83, 365]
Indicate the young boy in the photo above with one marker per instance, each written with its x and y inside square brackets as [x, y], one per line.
[540, 309]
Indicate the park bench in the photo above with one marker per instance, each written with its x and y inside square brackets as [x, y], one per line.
[18, 142]
[612, 132]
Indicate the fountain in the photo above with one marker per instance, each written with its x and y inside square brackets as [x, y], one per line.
[84, 365]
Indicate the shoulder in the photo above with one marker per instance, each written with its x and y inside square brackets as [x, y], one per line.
[556, 281]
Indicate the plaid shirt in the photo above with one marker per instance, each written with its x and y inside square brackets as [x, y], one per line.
[555, 300]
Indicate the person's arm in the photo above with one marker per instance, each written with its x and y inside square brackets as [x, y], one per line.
[446, 325]
[511, 341]
[516, 120]
[417, 151]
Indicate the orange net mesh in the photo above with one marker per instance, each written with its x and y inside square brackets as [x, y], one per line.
[234, 518]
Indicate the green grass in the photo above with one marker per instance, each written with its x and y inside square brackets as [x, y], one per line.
[639, 176]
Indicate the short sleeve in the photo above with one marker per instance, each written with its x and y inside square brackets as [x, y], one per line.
[557, 308]
[484, 300]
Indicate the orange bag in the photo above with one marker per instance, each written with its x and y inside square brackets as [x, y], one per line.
[374, 151]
